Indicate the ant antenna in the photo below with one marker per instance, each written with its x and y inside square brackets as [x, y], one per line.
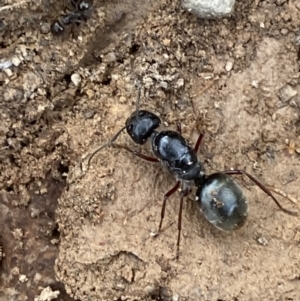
[138, 100]
[109, 143]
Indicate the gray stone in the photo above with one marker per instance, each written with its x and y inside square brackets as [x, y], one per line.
[287, 93]
[209, 9]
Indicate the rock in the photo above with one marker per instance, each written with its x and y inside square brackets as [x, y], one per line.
[47, 295]
[8, 72]
[16, 61]
[262, 241]
[179, 83]
[23, 278]
[209, 9]
[287, 93]
[76, 79]
[284, 31]
[229, 66]
[255, 84]
[5, 65]
[110, 57]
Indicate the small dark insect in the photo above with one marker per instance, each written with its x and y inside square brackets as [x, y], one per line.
[220, 199]
[79, 11]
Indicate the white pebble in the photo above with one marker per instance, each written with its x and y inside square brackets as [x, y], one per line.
[209, 9]
[76, 79]
[23, 278]
[8, 72]
[16, 61]
[228, 66]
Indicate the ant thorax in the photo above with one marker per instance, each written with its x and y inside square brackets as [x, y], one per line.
[176, 154]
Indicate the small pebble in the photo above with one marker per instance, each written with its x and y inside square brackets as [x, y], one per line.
[47, 295]
[45, 27]
[179, 83]
[287, 93]
[54, 241]
[110, 57]
[5, 65]
[23, 278]
[164, 85]
[175, 297]
[16, 61]
[228, 66]
[37, 277]
[76, 79]
[209, 9]
[254, 84]
[262, 241]
[167, 42]
[8, 72]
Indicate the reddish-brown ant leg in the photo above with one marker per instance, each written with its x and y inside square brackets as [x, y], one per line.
[182, 195]
[261, 186]
[163, 208]
[197, 145]
[144, 157]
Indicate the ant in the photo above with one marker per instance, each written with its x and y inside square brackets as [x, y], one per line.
[79, 10]
[219, 197]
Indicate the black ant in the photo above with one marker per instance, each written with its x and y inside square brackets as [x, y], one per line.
[220, 198]
[79, 11]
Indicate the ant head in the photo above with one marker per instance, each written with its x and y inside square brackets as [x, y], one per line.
[141, 124]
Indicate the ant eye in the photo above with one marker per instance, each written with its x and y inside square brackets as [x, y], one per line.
[141, 114]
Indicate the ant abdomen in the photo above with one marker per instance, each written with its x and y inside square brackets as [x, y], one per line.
[222, 202]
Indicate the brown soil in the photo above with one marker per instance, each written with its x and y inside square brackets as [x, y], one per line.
[88, 232]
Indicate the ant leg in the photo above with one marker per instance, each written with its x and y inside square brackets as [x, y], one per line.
[201, 135]
[283, 194]
[144, 157]
[261, 186]
[163, 208]
[178, 125]
[182, 195]
[197, 145]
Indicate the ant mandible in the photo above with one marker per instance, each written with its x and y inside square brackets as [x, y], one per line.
[219, 197]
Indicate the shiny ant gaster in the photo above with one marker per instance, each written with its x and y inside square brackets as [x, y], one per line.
[219, 197]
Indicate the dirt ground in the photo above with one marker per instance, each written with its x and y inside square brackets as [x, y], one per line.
[88, 232]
